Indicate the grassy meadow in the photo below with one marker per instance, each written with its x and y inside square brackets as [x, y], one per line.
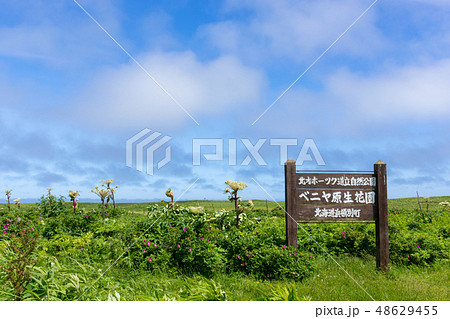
[145, 251]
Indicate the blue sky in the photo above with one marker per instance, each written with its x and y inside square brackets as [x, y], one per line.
[70, 97]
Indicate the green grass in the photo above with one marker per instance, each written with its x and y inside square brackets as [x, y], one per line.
[328, 283]
[399, 203]
[141, 207]
[413, 203]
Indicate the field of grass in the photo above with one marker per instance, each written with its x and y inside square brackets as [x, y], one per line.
[73, 251]
[328, 283]
[400, 203]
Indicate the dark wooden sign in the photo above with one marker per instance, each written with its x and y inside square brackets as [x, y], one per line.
[338, 196]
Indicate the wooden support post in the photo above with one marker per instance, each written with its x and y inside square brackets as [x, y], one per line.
[289, 193]
[381, 217]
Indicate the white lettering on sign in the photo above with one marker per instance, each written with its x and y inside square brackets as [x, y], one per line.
[339, 197]
[337, 212]
[337, 181]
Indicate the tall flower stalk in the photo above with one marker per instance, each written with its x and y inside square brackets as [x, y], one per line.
[103, 194]
[8, 198]
[169, 194]
[17, 202]
[233, 196]
[73, 196]
[107, 183]
[50, 195]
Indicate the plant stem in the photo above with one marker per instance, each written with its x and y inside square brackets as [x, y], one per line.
[235, 208]
[103, 205]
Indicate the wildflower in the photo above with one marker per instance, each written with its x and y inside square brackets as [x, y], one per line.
[343, 233]
[178, 245]
[293, 272]
[409, 243]
[408, 256]
[249, 255]
[155, 245]
[150, 260]
[444, 204]
[235, 185]
[148, 243]
[184, 229]
[201, 238]
[418, 246]
[209, 229]
[343, 236]
[190, 249]
[239, 256]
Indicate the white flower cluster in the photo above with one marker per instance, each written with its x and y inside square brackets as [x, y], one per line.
[445, 204]
[235, 186]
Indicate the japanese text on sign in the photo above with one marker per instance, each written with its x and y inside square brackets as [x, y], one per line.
[337, 212]
[337, 197]
[337, 181]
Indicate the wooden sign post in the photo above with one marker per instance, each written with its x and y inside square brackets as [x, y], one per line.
[338, 196]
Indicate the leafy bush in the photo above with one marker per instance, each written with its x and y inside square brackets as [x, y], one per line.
[51, 206]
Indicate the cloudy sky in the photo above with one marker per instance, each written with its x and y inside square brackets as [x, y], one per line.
[71, 96]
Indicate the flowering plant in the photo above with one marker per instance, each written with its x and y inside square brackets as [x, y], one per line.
[73, 196]
[8, 196]
[233, 196]
[107, 183]
[103, 194]
[169, 194]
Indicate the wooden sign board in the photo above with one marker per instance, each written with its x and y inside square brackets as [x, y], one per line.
[338, 196]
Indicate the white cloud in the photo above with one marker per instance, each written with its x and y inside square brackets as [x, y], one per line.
[59, 34]
[407, 92]
[296, 29]
[356, 106]
[125, 97]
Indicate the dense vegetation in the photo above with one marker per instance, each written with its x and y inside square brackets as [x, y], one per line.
[196, 252]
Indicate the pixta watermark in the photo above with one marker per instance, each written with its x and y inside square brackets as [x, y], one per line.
[141, 150]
